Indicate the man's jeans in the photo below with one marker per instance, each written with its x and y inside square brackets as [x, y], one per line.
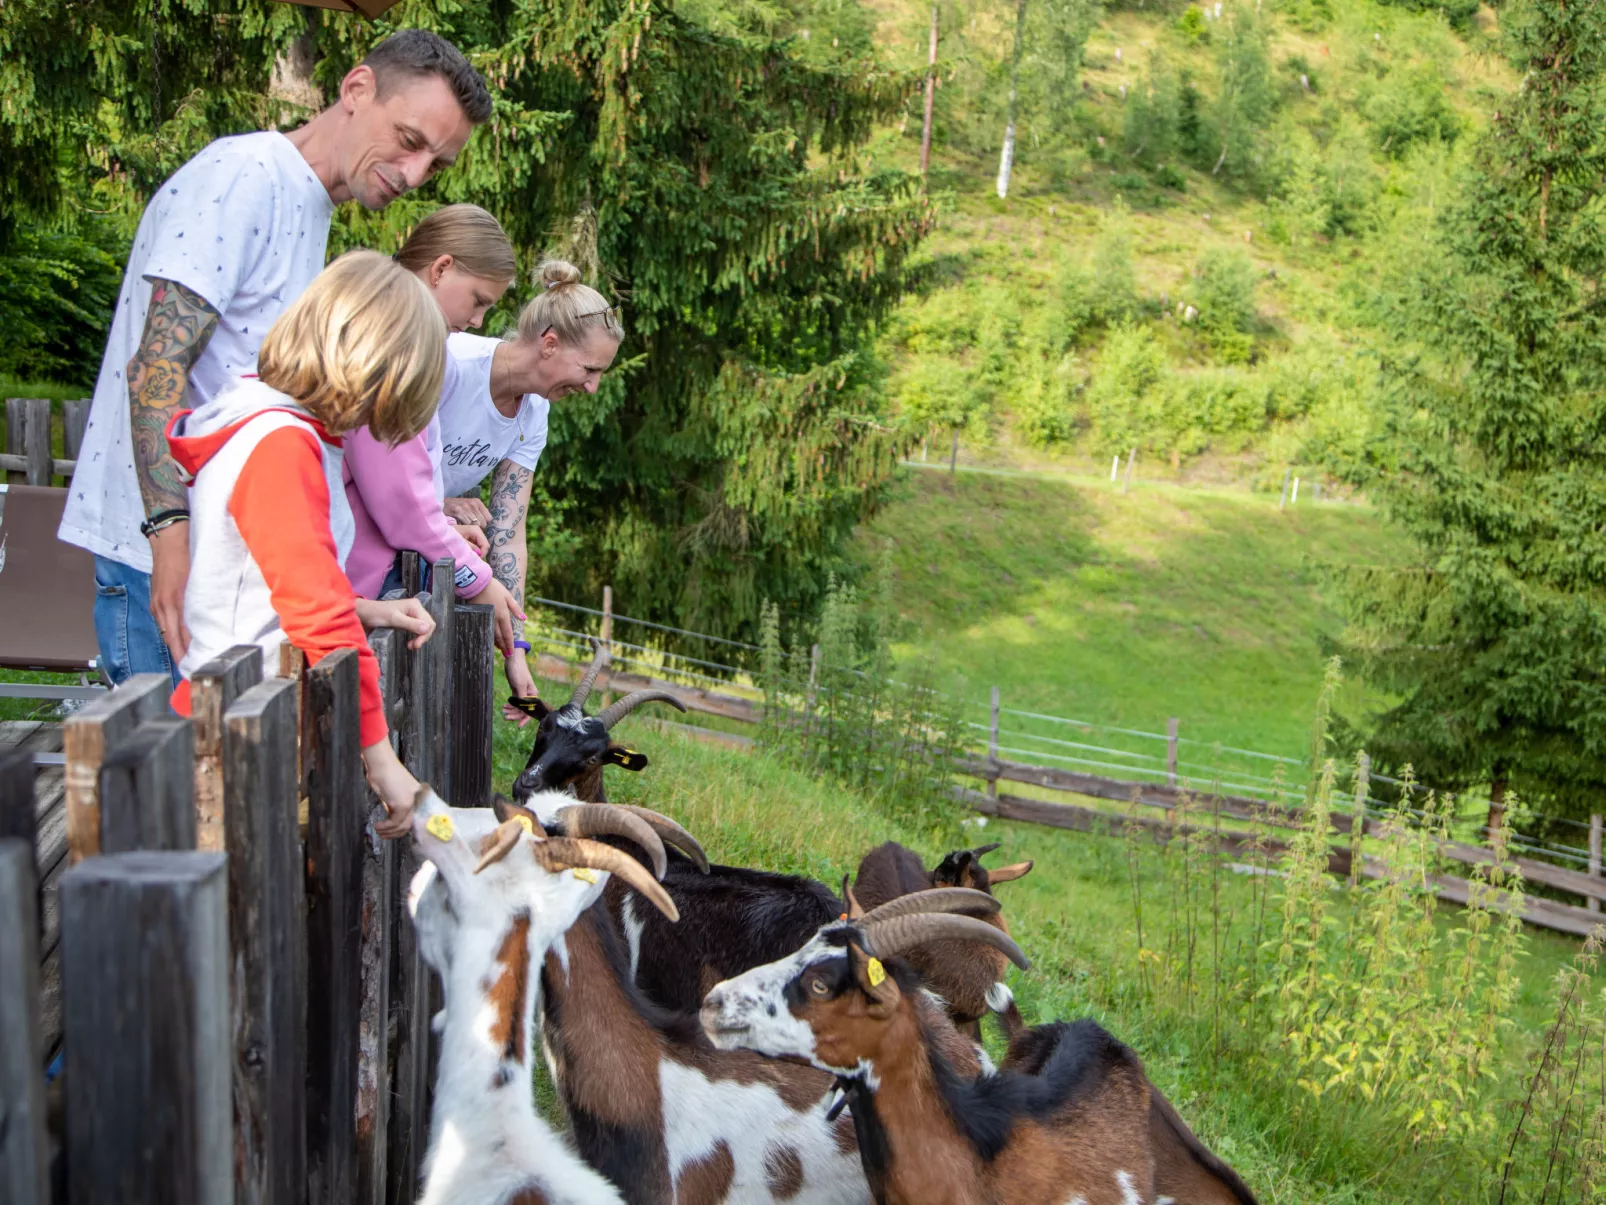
[124, 625]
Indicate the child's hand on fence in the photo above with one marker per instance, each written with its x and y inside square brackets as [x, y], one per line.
[404, 614]
[395, 786]
[475, 537]
[498, 596]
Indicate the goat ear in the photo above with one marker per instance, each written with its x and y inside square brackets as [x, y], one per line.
[625, 759]
[874, 980]
[530, 705]
[505, 809]
[1005, 874]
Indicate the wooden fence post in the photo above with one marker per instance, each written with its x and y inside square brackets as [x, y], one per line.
[147, 789]
[1288, 475]
[28, 437]
[1594, 857]
[74, 422]
[1171, 751]
[992, 749]
[266, 942]
[144, 941]
[213, 690]
[473, 705]
[87, 736]
[336, 817]
[1126, 482]
[1357, 828]
[379, 875]
[24, 1148]
[606, 634]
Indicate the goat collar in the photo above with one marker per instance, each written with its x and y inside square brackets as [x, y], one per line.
[874, 1154]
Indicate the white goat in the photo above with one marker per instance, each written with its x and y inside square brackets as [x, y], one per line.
[488, 903]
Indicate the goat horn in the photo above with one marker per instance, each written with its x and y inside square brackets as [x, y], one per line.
[567, 853]
[889, 937]
[672, 833]
[582, 688]
[850, 901]
[499, 844]
[620, 708]
[603, 820]
[982, 850]
[937, 899]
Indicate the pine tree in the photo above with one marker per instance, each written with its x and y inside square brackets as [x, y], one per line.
[1494, 638]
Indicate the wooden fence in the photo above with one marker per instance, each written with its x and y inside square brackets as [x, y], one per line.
[237, 991]
[28, 458]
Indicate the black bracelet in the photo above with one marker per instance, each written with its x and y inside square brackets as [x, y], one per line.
[163, 519]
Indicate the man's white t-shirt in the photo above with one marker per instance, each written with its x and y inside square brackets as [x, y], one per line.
[244, 224]
[475, 436]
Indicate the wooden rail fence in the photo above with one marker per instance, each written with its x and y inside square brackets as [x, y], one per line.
[239, 997]
[28, 458]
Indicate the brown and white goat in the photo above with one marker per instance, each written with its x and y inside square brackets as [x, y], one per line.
[488, 903]
[969, 977]
[1070, 1118]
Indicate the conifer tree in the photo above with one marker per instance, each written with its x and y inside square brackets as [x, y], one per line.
[1494, 637]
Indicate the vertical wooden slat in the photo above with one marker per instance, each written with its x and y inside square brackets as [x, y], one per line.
[473, 705]
[336, 817]
[1171, 725]
[147, 789]
[28, 436]
[267, 943]
[19, 819]
[87, 735]
[992, 748]
[144, 940]
[436, 705]
[379, 875]
[605, 633]
[1594, 857]
[24, 1148]
[74, 421]
[213, 690]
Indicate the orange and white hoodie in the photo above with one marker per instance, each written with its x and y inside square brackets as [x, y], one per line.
[269, 532]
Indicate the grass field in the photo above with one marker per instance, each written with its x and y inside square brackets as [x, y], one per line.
[1077, 600]
[1074, 917]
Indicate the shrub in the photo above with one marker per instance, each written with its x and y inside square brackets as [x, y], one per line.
[1224, 293]
[1192, 25]
[1411, 106]
[57, 291]
[1122, 394]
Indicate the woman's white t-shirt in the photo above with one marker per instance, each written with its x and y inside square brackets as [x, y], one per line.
[474, 435]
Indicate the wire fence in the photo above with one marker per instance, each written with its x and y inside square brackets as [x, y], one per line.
[1134, 754]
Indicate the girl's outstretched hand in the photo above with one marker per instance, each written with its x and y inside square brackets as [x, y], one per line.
[404, 614]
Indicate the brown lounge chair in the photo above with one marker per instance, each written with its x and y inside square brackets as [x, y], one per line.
[47, 596]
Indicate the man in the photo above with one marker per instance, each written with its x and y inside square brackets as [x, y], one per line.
[223, 248]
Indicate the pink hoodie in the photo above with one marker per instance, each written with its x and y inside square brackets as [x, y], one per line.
[396, 506]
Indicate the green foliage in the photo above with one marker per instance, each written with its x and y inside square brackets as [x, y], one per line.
[57, 292]
[1411, 106]
[1246, 94]
[1121, 396]
[1494, 637]
[1223, 291]
[1151, 126]
[1192, 26]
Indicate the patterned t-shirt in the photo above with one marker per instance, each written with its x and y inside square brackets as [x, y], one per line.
[475, 436]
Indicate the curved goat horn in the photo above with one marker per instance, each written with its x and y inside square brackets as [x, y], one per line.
[604, 820]
[889, 937]
[937, 899]
[855, 911]
[618, 710]
[600, 658]
[672, 833]
[499, 844]
[566, 853]
[982, 850]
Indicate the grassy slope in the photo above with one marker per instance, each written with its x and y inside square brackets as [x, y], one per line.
[1079, 601]
[1073, 915]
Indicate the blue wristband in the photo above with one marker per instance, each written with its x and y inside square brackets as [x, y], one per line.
[521, 644]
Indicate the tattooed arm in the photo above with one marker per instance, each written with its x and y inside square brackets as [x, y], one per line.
[510, 500]
[178, 326]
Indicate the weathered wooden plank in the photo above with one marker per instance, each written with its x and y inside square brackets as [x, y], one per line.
[28, 437]
[87, 736]
[377, 918]
[213, 690]
[472, 707]
[147, 789]
[74, 421]
[145, 973]
[436, 661]
[267, 943]
[19, 821]
[336, 819]
[24, 1147]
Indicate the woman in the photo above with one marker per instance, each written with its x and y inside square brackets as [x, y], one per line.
[493, 418]
[465, 260]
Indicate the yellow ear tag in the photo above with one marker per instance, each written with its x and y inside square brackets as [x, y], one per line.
[584, 873]
[875, 972]
[439, 826]
[525, 823]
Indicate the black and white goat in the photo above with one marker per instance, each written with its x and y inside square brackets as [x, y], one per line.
[1071, 1117]
[488, 903]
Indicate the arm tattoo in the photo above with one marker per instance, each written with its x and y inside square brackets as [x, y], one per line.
[510, 498]
[178, 326]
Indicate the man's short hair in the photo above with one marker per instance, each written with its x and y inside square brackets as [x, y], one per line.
[414, 53]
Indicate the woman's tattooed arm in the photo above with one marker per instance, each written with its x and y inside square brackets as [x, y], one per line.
[178, 326]
[510, 500]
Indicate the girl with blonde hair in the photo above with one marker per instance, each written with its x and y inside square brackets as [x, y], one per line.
[364, 346]
[493, 419]
[395, 490]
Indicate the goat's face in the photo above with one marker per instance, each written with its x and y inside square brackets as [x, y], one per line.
[829, 1003]
[963, 868]
[568, 745]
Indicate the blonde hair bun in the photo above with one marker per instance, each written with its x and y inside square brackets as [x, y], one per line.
[554, 272]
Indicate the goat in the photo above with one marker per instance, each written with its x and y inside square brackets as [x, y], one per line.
[488, 903]
[571, 748]
[1070, 1117]
[969, 978]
